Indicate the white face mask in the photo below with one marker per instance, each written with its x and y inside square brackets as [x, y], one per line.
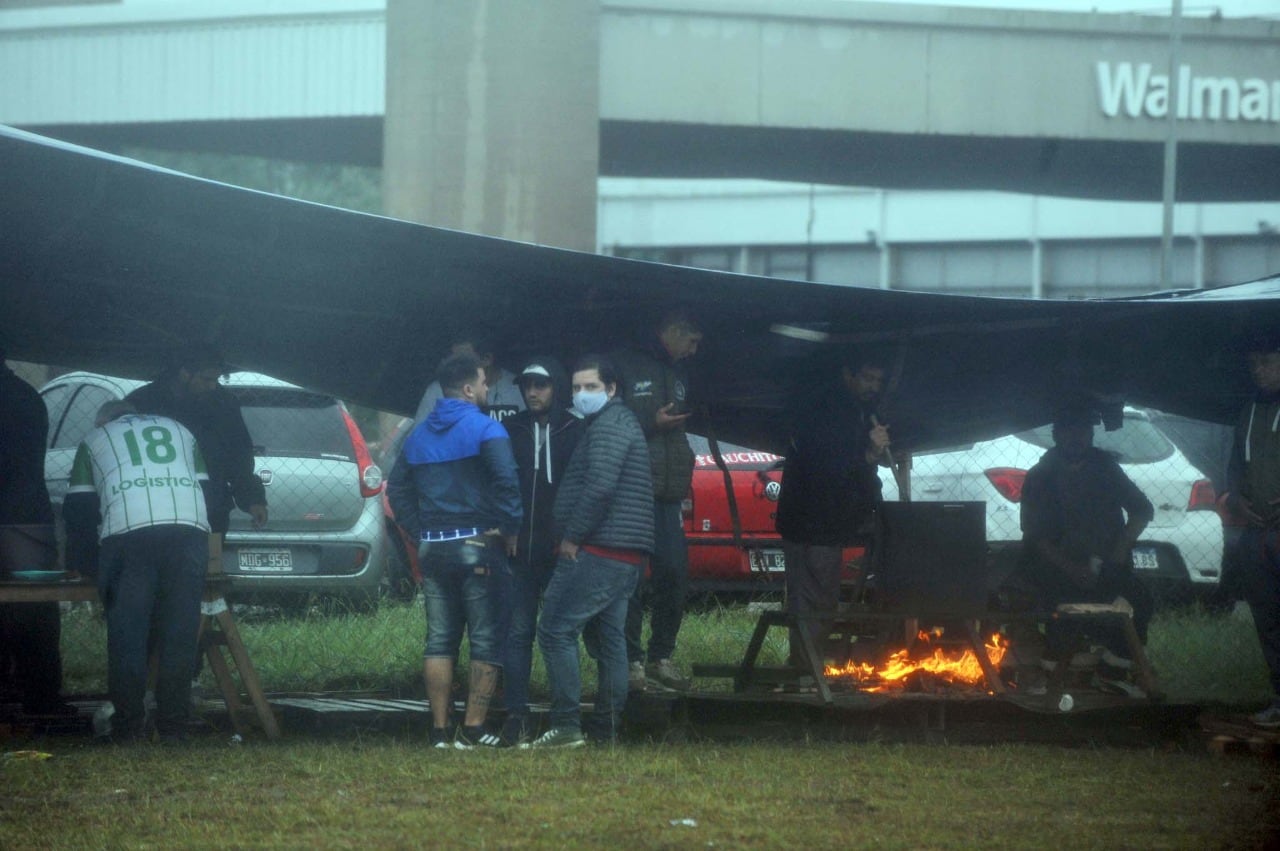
[587, 402]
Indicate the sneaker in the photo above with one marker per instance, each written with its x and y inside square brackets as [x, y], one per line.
[1122, 687]
[515, 731]
[561, 737]
[1032, 682]
[1114, 660]
[636, 680]
[439, 738]
[1268, 718]
[470, 738]
[665, 673]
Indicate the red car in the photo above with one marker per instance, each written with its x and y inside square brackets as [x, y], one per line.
[716, 561]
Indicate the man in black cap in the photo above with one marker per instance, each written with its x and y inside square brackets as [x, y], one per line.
[1081, 516]
[188, 391]
[543, 436]
[1253, 494]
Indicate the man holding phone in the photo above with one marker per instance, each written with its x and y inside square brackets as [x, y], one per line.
[654, 384]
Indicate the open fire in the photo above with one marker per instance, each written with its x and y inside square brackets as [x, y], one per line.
[923, 666]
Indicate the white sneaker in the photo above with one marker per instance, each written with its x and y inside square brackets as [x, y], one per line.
[1268, 718]
[636, 679]
[666, 674]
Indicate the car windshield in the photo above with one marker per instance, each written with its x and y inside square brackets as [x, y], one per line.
[294, 423]
[1137, 441]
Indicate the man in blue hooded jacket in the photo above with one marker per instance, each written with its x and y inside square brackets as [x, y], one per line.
[456, 489]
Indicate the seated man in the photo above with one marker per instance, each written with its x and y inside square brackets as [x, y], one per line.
[1081, 516]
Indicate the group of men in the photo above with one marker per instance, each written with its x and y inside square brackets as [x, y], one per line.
[539, 517]
[540, 520]
[158, 473]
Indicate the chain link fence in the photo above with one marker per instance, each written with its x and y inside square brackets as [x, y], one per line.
[326, 593]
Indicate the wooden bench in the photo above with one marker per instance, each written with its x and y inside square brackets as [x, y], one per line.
[217, 630]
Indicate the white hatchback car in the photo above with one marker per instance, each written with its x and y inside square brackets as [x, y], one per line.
[327, 533]
[1180, 552]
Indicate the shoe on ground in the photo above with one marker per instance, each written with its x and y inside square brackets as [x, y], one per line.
[1032, 682]
[515, 731]
[1114, 660]
[665, 674]
[470, 738]
[1268, 719]
[636, 679]
[1122, 687]
[560, 737]
[439, 738]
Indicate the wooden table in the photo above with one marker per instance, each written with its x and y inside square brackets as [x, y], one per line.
[217, 630]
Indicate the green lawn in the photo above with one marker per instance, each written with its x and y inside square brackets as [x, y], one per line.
[386, 793]
[1202, 658]
[376, 791]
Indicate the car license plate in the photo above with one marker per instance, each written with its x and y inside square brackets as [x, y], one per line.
[1144, 558]
[266, 561]
[767, 561]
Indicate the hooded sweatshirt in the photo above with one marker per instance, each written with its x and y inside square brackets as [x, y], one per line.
[1254, 470]
[541, 452]
[456, 472]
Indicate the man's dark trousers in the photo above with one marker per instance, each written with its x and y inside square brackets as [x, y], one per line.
[665, 588]
[152, 578]
[1260, 575]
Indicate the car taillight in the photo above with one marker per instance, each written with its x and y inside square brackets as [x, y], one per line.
[686, 512]
[370, 473]
[1203, 496]
[1008, 481]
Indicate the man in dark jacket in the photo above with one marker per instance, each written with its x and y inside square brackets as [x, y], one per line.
[189, 392]
[654, 383]
[1081, 516]
[455, 489]
[604, 521]
[543, 437]
[1253, 494]
[29, 632]
[830, 490]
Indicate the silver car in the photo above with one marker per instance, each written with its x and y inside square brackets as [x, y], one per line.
[327, 531]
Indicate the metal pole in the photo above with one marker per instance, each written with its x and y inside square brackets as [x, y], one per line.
[1171, 149]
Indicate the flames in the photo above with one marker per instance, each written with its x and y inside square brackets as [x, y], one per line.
[924, 662]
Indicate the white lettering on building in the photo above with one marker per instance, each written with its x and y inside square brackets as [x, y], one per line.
[1132, 90]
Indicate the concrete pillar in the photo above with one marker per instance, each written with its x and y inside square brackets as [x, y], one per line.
[492, 118]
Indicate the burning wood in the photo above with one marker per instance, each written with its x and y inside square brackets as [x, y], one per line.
[923, 667]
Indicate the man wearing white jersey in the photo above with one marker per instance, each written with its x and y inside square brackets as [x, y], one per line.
[140, 481]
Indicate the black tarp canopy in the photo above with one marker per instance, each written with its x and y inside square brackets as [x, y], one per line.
[108, 264]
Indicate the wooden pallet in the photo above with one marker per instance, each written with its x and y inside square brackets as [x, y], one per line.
[1234, 734]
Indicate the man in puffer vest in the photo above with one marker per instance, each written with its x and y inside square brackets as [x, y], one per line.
[604, 522]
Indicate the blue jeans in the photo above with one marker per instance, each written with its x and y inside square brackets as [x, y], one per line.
[466, 587]
[582, 589]
[665, 589]
[527, 585]
[152, 578]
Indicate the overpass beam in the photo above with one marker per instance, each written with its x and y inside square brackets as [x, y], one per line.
[492, 117]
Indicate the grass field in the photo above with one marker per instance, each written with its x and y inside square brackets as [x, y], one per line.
[385, 793]
[810, 788]
[1201, 657]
